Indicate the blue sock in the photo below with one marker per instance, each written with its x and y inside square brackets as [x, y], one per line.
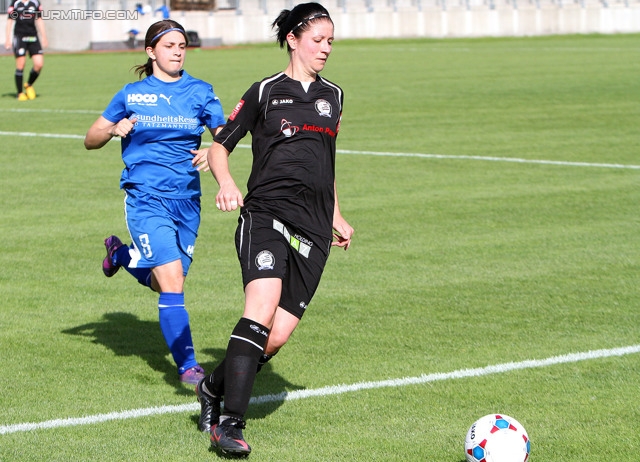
[121, 257]
[174, 323]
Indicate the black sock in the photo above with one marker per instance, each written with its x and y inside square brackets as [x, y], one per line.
[19, 80]
[264, 359]
[33, 75]
[214, 383]
[246, 345]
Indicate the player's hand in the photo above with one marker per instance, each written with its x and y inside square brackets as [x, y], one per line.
[342, 232]
[200, 159]
[229, 197]
[123, 128]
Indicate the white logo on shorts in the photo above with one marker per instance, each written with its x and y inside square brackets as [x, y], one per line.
[265, 260]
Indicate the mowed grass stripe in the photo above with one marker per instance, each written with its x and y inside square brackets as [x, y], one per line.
[388, 154]
[333, 390]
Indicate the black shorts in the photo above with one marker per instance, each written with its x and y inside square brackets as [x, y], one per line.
[24, 45]
[269, 249]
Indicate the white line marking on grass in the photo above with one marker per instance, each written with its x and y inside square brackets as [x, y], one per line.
[488, 158]
[332, 390]
[387, 154]
[56, 111]
[43, 135]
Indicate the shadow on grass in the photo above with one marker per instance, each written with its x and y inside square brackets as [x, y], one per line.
[269, 390]
[126, 335]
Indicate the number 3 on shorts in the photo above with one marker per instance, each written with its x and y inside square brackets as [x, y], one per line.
[146, 247]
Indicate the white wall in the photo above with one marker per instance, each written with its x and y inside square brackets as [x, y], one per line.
[358, 19]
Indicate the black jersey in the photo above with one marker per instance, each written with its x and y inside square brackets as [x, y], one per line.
[25, 15]
[294, 146]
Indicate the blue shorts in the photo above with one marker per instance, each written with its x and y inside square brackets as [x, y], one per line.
[163, 230]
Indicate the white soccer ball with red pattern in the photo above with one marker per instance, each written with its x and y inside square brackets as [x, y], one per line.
[497, 438]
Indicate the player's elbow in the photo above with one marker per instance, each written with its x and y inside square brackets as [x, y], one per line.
[90, 143]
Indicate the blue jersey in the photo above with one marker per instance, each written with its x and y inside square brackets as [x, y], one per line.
[171, 117]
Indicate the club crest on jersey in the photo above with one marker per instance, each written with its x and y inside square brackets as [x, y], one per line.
[323, 107]
[265, 260]
[287, 129]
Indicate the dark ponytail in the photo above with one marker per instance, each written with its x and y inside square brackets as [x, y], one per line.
[297, 21]
[155, 31]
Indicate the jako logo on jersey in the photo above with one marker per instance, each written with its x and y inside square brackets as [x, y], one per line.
[142, 98]
[167, 99]
[287, 129]
[275, 102]
[236, 109]
[323, 107]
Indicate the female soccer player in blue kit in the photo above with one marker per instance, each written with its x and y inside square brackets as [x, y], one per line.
[289, 218]
[160, 120]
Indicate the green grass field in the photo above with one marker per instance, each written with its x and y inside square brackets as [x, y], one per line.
[494, 188]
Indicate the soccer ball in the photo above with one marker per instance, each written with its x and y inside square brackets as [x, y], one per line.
[497, 438]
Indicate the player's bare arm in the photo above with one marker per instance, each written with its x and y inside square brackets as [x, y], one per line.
[229, 196]
[103, 130]
[42, 33]
[9, 34]
[200, 155]
[343, 230]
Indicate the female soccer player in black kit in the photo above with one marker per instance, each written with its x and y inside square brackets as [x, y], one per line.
[25, 32]
[289, 218]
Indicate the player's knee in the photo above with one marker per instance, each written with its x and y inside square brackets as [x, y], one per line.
[277, 339]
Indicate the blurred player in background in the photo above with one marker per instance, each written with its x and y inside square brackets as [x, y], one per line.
[160, 120]
[289, 218]
[26, 34]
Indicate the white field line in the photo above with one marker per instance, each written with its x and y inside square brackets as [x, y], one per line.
[491, 159]
[332, 390]
[52, 111]
[387, 154]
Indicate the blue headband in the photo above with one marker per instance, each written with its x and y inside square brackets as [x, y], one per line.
[165, 32]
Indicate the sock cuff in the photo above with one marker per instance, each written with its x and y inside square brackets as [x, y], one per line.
[171, 300]
[251, 331]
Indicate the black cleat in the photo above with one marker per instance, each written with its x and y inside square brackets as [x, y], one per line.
[228, 437]
[209, 408]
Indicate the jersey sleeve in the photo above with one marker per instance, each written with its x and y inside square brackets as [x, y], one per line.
[117, 108]
[39, 10]
[212, 114]
[11, 10]
[241, 120]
